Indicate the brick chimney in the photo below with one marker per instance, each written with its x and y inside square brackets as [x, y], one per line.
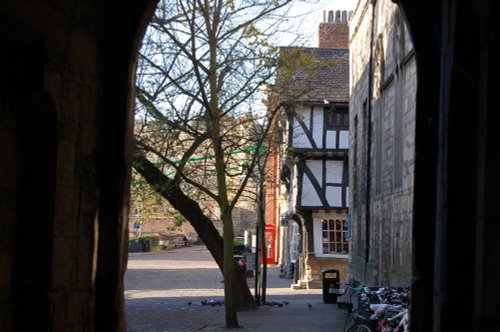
[334, 31]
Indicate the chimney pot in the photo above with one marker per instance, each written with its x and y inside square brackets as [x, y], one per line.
[330, 16]
[343, 16]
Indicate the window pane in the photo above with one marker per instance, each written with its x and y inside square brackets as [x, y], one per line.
[344, 225]
[345, 120]
[331, 224]
[325, 237]
[338, 236]
[329, 119]
[332, 236]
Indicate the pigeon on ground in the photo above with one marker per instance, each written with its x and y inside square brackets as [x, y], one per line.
[309, 305]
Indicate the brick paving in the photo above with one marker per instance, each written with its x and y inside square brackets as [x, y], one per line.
[164, 291]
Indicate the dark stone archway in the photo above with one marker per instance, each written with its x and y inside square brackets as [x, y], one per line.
[456, 45]
[66, 76]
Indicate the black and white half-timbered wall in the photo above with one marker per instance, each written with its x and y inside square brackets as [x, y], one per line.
[319, 137]
[313, 159]
[318, 142]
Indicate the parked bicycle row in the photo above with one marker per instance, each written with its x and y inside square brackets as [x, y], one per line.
[374, 309]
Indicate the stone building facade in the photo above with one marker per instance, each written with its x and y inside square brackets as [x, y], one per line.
[382, 119]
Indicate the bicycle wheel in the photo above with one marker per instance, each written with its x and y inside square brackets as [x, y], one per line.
[350, 320]
[361, 327]
[353, 318]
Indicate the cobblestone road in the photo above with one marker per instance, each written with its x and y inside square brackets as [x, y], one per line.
[160, 286]
[163, 292]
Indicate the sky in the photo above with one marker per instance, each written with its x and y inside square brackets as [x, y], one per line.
[305, 17]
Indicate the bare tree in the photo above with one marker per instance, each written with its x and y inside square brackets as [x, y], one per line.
[201, 129]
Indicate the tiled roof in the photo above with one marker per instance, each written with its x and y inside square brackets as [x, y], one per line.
[325, 76]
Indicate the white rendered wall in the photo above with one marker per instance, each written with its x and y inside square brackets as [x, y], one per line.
[334, 175]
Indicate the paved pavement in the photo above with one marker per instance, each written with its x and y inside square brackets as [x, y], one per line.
[164, 292]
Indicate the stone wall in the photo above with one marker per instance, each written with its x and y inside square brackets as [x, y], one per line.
[315, 266]
[382, 150]
[66, 70]
[243, 219]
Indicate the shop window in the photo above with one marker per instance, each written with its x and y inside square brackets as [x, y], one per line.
[334, 236]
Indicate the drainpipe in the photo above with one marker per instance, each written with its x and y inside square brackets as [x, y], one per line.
[369, 138]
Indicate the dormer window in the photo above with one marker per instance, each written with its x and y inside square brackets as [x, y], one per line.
[336, 118]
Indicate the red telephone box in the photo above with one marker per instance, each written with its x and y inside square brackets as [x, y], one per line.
[270, 236]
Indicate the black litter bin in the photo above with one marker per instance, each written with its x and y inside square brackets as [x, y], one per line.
[146, 246]
[331, 285]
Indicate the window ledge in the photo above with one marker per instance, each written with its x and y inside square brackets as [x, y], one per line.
[333, 255]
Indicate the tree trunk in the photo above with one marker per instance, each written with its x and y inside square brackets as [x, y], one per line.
[229, 284]
[190, 209]
[225, 215]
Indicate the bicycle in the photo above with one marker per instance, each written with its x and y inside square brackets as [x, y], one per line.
[361, 327]
[360, 310]
[390, 318]
[381, 310]
[398, 322]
